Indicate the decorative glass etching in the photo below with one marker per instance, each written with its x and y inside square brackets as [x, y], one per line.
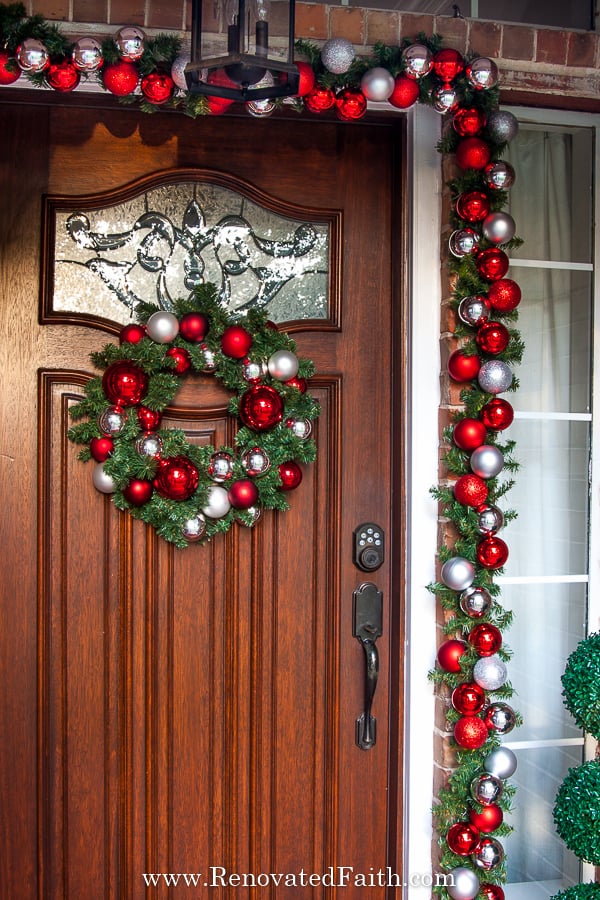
[158, 246]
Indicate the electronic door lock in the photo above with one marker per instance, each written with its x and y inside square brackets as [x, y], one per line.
[369, 543]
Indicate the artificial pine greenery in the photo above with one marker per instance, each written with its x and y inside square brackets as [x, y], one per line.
[586, 891]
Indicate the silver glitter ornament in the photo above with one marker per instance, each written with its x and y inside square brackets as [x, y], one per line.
[178, 71]
[194, 529]
[149, 445]
[337, 55]
[500, 717]
[463, 242]
[474, 310]
[217, 504]
[475, 602]
[489, 519]
[499, 227]
[444, 99]
[111, 421]
[494, 376]
[499, 175]
[162, 327]
[486, 461]
[502, 126]
[488, 854]
[463, 883]
[490, 672]
[418, 60]
[482, 73]
[283, 365]
[458, 573]
[130, 42]
[486, 788]
[32, 56]
[377, 84]
[87, 54]
[501, 762]
[102, 481]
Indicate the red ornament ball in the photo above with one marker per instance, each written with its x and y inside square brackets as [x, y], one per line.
[447, 64]
[261, 407]
[492, 337]
[218, 105]
[496, 415]
[176, 478]
[62, 76]
[120, 78]
[468, 434]
[470, 732]
[149, 419]
[405, 93]
[243, 494]
[492, 552]
[298, 382]
[319, 100]
[490, 892]
[505, 294]
[132, 334]
[492, 263]
[468, 698]
[182, 359]
[157, 87]
[124, 382]
[463, 838]
[490, 818]
[138, 491]
[473, 153]
[350, 104]
[462, 367]
[193, 327]
[485, 638]
[473, 206]
[8, 74]
[307, 78]
[290, 474]
[471, 490]
[236, 341]
[468, 121]
[449, 654]
[101, 448]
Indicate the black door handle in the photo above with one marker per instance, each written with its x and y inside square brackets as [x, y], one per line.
[368, 615]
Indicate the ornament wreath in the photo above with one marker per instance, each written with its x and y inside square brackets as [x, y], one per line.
[187, 492]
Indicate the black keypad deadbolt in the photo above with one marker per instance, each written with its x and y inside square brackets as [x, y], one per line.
[368, 551]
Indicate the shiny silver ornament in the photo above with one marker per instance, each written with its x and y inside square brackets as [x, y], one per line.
[444, 99]
[283, 365]
[87, 54]
[494, 376]
[458, 573]
[178, 71]
[377, 84]
[490, 672]
[102, 481]
[482, 73]
[220, 466]
[111, 421]
[337, 55]
[256, 462]
[252, 372]
[499, 175]
[501, 762]
[149, 445]
[463, 883]
[488, 854]
[194, 529]
[474, 310]
[217, 504]
[463, 242]
[32, 56]
[499, 227]
[502, 126]
[500, 717]
[490, 519]
[210, 363]
[301, 427]
[130, 42]
[162, 327]
[486, 788]
[260, 109]
[486, 461]
[475, 602]
[418, 60]
[250, 516]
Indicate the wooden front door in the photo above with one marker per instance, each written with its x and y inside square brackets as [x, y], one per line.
[192, 712]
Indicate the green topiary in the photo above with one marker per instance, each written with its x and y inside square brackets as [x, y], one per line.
[581, 685]
[588, 891]
[577, 811]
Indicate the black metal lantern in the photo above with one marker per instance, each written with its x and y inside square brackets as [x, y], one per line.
[249, 70]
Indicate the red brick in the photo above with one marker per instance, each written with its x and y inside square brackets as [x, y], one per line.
[90, 11]
[412, 26]
[517, 42]
[163, 14]
[383, 27]
[312, 21]
[552, 46]
[453, 31]
[53, 10]
[347, 23]
[582, 49]
[485, 38]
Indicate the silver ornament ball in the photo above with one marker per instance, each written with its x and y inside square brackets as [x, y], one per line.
[256, 462]
[482, 73]
[149, 445]
[474, 310]
[260, 109]
[486, 788]
[475, 602]
[458, 573]
[490, 672]
[502, 126]
[486, 461]
[499, 175]
[501, 718]
[377, 84]
[300, 427]
[32, 56]
[488, 854]
[111, 421]
[418, 60]
[252, 372]
[490, 519]
[217, 504]
[250, 516]
[445, 99]
[194, 529]
[337, 55]
[162, 327]
[220, 466]
[130, 42]
[178, 71]
[499, 227]
[283, 365]
[87, 54]
[494, 376]
[463, 241]
[501, 762]
[210, 363]
[463, 883]
[102, 481]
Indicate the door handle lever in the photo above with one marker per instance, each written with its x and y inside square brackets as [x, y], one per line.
[368, 615]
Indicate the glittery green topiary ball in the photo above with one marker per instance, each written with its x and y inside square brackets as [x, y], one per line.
[587, 891]
[577, 811]
[581, 685]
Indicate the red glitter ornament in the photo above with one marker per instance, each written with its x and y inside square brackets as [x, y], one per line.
[236, 341]
[492, 263]
[8, 74]
[490, 818]
[473, 206]
[124, 382]
[261, 407]
[492, 337]
[462, 838]
[157, 87]
[101, 448]
[462, 367]
[469, 433]
[120, 78]
[471, 490]
[132, 334]
[193, 327]
[149, 419]
[298, 382]
[290, 474]
[350, 104]
[504, 294]
[468, 698]
[307, 78]
[176, 478]
[473, 153]
[447, 64]
[243, 494]
[449, 654]
[319, 100]
[138, 491]
[182, 359]
[62, 76]
[497, 414]
[492, 552]
[468, 121]
[470, 732]
[405, 93]
[490, 892]
[485, 638]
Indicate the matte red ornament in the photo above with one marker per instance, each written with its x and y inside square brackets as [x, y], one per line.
[176, 478]
[490, 892]
[485, 638]
[468, 434]
[101, 448]
[462, 367]
[492, 263]
[236, 341]
[468, 698]
[243, 494]
[193, 327]
[62, 76]
[298, 382]
[307, 78]
[157, 87]
[497, 415]
[132, 334]
[449, 654]
[462, 838]
[182, 359]
[447, 64]
[468, 121]
[473, 153]
[124, 382]
[471, 490]
[470, 732]
[504, 295]
[319, 100]
[290, 474]
[149, 419]
[350, 104]
[261, 407]
[473, 206]
[120, 78]
[492, 552]
[490, 818]
[492, 337]
[405, 93]
[8, 74]
[138, 491]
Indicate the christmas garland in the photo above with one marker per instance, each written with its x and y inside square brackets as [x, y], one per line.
[188, 492]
